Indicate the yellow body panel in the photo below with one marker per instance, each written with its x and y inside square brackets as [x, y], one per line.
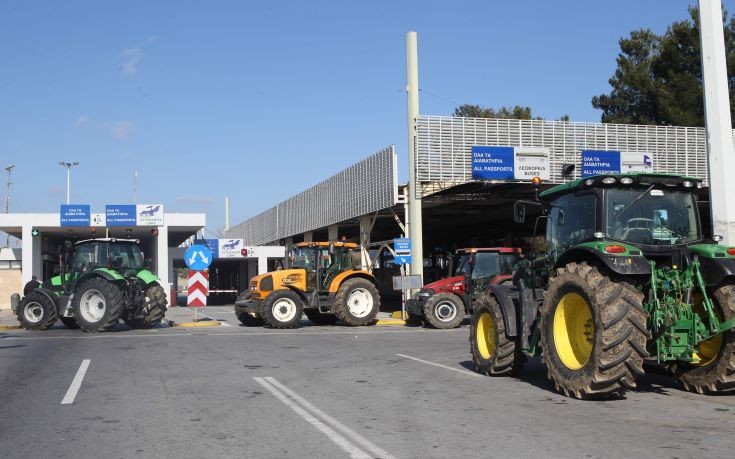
[339, 278]
[294, 278]
[349, 245]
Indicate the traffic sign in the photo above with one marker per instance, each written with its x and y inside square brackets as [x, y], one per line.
[198, 288]
[198, 257]
[402, 248]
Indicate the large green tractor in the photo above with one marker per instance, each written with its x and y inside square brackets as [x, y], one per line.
[101, 281]
[627, 277]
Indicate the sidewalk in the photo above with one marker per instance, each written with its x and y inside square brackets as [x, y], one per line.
[8, 318]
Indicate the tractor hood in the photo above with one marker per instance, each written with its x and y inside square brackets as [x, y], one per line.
[275, 280]
[444, 285]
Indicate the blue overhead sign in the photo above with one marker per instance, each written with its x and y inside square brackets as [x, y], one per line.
[74, 215]
[600, 162]
[121, 215]
[492, 163]
[198, 257]
[211, 244]
[402, 248]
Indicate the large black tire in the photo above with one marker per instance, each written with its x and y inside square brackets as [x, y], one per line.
[36, 312]
[69, 322]
[493, 352]
[444, 310]
[244, 317]
[357, 302]
[282, 309]
[593, 333]
[320, 318]
[716, 372]
[155, 301]
[97, 304]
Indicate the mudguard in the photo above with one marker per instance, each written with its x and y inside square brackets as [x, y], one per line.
[626, 265]
[715, 270]
[507, 296]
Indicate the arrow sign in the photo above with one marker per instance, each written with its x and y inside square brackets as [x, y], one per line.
[198, 257]
[198, 288]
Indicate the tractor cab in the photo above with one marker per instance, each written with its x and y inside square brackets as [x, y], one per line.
[324, 261]
[121, 255]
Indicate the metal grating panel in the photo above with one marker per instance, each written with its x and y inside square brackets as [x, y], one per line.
[363, 188]
[444, 145]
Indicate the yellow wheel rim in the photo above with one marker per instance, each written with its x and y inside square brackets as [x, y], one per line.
[574, 331]
[710, 349]
[485, 335]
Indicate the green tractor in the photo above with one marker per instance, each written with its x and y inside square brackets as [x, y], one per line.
[101, 281]
[626, 277]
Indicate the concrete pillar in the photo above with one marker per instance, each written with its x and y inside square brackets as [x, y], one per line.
[365, 230]
[333, 232]
[162, 262]
[414, 221]
[309, 236]
[718, 123]
[262, 265]
[31, 259]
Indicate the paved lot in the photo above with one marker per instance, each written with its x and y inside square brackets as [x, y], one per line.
[233, 391]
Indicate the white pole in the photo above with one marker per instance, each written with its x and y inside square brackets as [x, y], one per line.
[415, 229]
[227, 213]
[68, 182]
[718, 123]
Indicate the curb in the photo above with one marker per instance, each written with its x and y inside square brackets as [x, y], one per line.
[203, 323]
[389, 322]
[396, 314]
[10, 327]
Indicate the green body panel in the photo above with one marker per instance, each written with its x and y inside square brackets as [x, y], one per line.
[599, 246]
[711, 251]
[146, 276]
[110, 272]
[574, 184]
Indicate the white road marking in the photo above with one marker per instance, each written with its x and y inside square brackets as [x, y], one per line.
[338, 439]
[464, 372]
[76, 383]
[356, 437]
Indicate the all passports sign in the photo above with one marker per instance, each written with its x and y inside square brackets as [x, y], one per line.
[601, 162]
[509, 163]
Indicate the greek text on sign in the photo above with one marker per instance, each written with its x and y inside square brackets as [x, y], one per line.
[402, 248]
[120, 215]
[510, 163]
[230, 248]
[601, 162]
[74, 215]
[149, 214]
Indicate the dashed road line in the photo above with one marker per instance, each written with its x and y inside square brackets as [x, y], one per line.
[76, 383]
[464, 372]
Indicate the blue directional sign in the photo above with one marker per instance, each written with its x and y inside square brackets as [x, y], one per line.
[402, 248]
[492, 163]
[600, 162]
[211, 244]
[121, 215]
[74, 215]
[198, 257]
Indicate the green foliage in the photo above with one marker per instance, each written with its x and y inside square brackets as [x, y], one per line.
[475, 111]
[659, 78]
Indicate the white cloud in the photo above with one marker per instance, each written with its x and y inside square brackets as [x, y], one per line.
[131, 58]
[121, 129]
[82, 121]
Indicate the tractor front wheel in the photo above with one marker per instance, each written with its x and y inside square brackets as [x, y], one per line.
[493, 353]
[97, 305]
[593, 333]
[36, 312]
[444, 310]
[155, 302]
[357, 302]
[715, 371]
[282, 309]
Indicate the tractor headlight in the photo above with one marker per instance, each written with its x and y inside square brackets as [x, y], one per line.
[609, 180]
[589, 182]
[687, 183]
[626, 180]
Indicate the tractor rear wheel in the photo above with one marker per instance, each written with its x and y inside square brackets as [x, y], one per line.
[716, 370]
[97, 304]
[36, 312]
[320, 318]
[282, 309]
[593, 333]
[493, 353]
[155, 301]
[444, 310]
[357, 302]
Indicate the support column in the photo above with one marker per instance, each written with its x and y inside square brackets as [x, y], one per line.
[309, 236]
[162, 266]
[31, 257]
[333, 232]
[718, 123]
[262, 265]
[415, 230]
[366, 228]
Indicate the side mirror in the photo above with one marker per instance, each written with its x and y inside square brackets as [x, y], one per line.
[519, 212]
[147, 262]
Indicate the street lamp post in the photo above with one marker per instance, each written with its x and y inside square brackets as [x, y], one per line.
[68, 175]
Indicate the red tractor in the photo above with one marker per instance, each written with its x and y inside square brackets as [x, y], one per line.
[444, 303]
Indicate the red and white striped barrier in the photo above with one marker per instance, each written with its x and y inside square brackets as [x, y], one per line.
[198, 288]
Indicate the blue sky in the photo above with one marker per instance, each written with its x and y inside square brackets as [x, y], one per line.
[260, 100]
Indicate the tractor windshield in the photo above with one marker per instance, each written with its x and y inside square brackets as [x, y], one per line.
[126, 256]
[658, 217]
[304, 257]
[491, 264]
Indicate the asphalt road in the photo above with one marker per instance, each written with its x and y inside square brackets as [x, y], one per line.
[234, 391]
